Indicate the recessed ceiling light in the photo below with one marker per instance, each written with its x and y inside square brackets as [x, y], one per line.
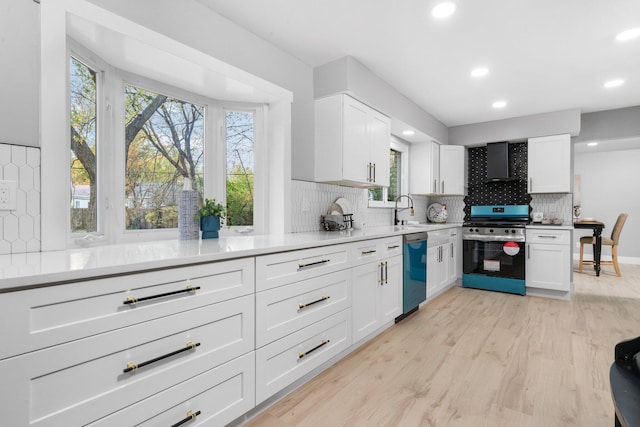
[628, 35]
[408, 132]
[614, 83]
[442, 10]
[499, 104]
[479, 72]
[592, 144]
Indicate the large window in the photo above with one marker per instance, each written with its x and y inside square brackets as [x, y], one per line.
[166, 135]
[239, 131]
[164, 143]
[84, 139]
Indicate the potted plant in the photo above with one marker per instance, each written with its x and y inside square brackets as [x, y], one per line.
[210, 215]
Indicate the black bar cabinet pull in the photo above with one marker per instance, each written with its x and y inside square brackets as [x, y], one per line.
[393, 247]
[301, 306]
[372, 251]
[308, 352]
[133, 300]
[190, 416]
[311, 264]
[133, 366]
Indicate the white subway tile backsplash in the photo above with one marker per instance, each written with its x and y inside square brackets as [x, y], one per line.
[20, 229]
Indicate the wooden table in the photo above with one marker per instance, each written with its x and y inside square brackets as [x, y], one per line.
[597, 228]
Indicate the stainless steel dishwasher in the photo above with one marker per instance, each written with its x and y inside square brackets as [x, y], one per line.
[414, 272]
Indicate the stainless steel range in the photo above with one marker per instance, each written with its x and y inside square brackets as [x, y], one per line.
[493, 247]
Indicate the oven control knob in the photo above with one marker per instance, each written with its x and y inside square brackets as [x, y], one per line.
[513, 231]
[491, 231]
[506, 231]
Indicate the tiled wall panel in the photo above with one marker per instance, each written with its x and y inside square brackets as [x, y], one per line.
[20, 229]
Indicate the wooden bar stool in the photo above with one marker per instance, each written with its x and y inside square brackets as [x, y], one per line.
[611, 241]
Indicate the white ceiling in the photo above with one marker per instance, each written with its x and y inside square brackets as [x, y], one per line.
[542, 55]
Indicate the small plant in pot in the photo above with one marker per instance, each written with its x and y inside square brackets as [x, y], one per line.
[210, 215]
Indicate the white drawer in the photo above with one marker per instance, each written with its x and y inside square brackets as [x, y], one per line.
[218, 396]
[288, 308]
[553, 237]
[288, 267]
[372, 250]
[57, 314]
[79, 382]
[288, 359]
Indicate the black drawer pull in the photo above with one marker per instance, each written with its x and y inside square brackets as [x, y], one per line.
[311, 264]
[301, 306]
[133, 300]
[132, 366]
[301, 355]
[393, 247]
[372, 251]
[190, 416]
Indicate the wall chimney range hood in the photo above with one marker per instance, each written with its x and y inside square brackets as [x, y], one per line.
[498, 162]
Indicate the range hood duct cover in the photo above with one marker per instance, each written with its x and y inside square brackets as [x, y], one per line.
[498, 162]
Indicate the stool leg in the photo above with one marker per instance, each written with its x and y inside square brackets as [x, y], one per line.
[581, 255]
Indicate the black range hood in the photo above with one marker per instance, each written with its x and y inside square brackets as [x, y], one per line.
[498, 162]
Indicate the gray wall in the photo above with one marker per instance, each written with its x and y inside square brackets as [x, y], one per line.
[609, 183]
[610, 124]
[19, 72]
[348, 75]
[517, 128]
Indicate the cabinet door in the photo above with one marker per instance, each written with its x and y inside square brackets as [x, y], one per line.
[452, 169]
[433, 270]
[435, 168]
[549, 164]
[365, 300]
[391, 290]
[379, 131]
[548, 267]
[356, 147]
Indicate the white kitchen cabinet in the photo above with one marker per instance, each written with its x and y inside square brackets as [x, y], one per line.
[109, 343]
[453, 169]
[443, 259]
[376, 284]
[438, 169]
[351, 143]
[549, 263]
[549, 164]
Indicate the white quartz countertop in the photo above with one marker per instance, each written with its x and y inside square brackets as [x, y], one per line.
[20, 271]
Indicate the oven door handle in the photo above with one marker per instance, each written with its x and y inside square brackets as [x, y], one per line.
[477, 238]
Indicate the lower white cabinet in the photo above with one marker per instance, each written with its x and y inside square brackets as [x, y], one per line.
[549, 261]
[284, 361]
[377, 295]
[89, 378]
[443, 259]
[213, 398]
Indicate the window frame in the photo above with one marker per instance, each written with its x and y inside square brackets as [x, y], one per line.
[110, 151]
[402, 147]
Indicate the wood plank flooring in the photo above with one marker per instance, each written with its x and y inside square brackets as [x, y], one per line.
[480, 358]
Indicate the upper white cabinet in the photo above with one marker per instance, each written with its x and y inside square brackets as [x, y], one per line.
[549, 164]
[438, 169]
[453, 169]
[351, 143]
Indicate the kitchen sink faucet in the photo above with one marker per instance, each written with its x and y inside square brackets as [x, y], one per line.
[396, 210]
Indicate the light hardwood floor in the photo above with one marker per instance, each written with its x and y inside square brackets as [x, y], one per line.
[479, 358]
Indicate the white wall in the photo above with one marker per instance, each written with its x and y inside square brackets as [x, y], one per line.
[19, 72]
[191, 23]
[609, 186]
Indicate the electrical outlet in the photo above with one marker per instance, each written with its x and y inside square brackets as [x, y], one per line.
[8, 195]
